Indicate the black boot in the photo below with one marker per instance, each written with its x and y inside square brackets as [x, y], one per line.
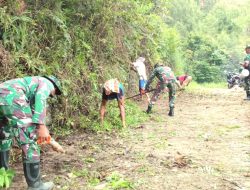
[171, 111]
[33, 178]
[149, 110]
[248, 96]
[4, 159]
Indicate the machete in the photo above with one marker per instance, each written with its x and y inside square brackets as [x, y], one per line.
[140, 93]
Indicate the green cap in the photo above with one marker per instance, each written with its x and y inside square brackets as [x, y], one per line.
[56, 83]
[248, 46]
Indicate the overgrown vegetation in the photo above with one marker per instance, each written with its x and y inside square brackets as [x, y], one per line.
[87, 42]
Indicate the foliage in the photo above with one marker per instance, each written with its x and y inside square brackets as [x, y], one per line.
[212, 32]
[197, 87]
[87, 42]
[6, 177]
[116, 181]
[206, 73]
[134, 116]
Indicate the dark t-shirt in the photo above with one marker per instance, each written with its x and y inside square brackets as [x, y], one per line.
[113, 95]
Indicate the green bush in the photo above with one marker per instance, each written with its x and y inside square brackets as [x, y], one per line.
[87, 42]
[206, 73]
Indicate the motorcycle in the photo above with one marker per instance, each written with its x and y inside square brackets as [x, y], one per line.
[234, 79]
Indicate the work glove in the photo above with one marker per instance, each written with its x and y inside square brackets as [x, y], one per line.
[43, 135]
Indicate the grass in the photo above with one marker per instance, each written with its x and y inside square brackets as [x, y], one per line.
[247, 136]
[152, 136]
[62, 131]
[112, 120]
[163, 144]
[90, 177]
[81, 173]
[114, 181]
[224, 129]
[172, 133]
[194, 85]
[89, 160]
[203, 89]
[233, 127]
[142, 169]
[140, 156]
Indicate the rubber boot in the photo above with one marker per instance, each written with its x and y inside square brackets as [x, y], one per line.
[4, 159]
[171, 111]
[33, 178]
[149, 110]
[248, 96]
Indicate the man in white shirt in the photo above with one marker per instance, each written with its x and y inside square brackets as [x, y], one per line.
[140, 68]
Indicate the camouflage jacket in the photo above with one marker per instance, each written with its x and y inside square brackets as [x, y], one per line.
[31, 91]
[164, 74]
[247, 58]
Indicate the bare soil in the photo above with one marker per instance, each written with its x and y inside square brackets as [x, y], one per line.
[206, 145]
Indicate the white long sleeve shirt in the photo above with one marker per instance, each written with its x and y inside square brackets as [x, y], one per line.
[140, 68]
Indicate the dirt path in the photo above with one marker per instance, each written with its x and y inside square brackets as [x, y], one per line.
[205, 146]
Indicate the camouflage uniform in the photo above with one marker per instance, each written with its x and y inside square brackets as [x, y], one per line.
[22, 106]
[167, 79]
[247, 79]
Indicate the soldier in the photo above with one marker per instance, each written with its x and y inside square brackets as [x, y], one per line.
[113, 89]
[166, 80]
[22, 115]
[246, 65]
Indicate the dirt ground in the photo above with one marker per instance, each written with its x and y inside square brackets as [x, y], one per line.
[205, 146]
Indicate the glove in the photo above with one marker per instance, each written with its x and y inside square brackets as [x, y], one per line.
[46, 140]
[43, 135]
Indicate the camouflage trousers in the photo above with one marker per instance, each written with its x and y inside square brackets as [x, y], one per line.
[161, 87]
[16, 122]
[247, 86]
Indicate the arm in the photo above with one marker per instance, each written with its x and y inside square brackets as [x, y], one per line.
[102, 110]
[178, 83]
[40, 95]
[152, 76]
[39, 106]
[187, 80]
[121, 105]
[132, 67]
